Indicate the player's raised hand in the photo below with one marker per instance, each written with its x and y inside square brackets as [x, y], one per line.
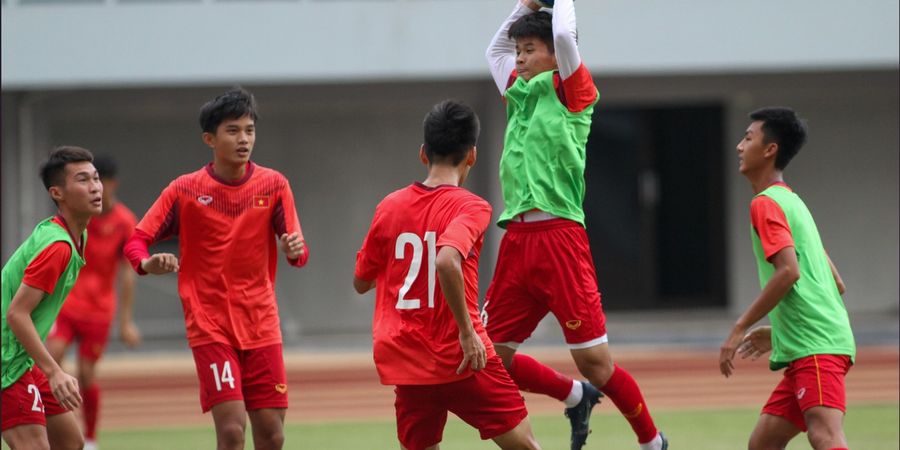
[729, 347]
[65, 389]
[474, 354]
[292, 245]
[756, 343]
[160, 263]
[130, 334]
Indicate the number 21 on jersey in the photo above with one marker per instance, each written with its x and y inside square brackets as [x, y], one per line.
[407, 240]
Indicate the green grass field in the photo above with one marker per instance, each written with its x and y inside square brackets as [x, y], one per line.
[872, 427]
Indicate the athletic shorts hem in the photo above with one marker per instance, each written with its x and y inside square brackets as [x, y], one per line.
[591, 343]
[207, 407]
[495, 433]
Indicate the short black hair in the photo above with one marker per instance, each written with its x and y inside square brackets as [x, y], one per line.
[233, 104]
[451, 129]
[53, 171]
[782, 126]
[537, 25]
[106, 167]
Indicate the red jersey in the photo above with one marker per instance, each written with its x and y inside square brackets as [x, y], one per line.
[94, 295]
[44, 270]
[415, 338]
[770, 224]
[228, 252]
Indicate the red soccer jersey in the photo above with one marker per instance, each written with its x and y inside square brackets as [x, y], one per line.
[228, 252]
[44, 270]
[415, 338]
[94, 295]
[770, 224]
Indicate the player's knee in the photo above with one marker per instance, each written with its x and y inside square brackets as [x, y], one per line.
[825, 438]
[272, 440]
[764, 443]
[230, 436]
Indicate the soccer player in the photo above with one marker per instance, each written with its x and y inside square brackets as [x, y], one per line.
[229, 216]
[88, 312]
[36, 411]
[421, 254]
[801, 294]
[545, 263]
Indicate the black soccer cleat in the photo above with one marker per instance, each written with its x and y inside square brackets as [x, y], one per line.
[580, 415]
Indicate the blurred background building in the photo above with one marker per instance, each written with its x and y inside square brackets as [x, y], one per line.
[344, 84]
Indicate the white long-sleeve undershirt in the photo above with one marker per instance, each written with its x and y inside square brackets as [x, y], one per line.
[501, 53]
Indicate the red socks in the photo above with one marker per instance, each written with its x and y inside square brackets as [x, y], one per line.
[626, 395]
[90, 407]
[532, 376]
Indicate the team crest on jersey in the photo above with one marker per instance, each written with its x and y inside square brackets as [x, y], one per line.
[260, 201]
[204, 199]
[281, 388]
[573, 324]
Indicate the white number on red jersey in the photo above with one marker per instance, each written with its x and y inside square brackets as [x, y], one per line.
[38, 404]
[225, 377]
[415, 264]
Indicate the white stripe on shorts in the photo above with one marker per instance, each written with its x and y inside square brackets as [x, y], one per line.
[591, 343]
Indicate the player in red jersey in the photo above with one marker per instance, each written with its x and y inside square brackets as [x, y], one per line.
[88, 312]
[422, 254]
[230, 217]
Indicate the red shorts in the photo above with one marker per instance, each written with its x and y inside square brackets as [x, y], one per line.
[488, 400]
[544, 267]
[816, 380]
[255, 376]
[29, 401]
[92, 336]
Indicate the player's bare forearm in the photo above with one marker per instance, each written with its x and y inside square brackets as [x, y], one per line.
[128, 331]
[787, 272]
[25, 300]
[448, 265]
[363, 286]
[837, 276]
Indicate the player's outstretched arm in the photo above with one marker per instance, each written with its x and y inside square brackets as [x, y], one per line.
[787, 272]
[565, 35]
[501, 53]
[128, 331]
[448, 265]
[63, 385]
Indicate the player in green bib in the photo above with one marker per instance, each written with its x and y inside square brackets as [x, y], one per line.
[37, 408]
[810, 333]
[545, 263]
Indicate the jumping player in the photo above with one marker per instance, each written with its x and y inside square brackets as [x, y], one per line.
[36, 411]
[421, 254]
[229, 217]
[88, 312]
[801, 293]
[545, 262]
